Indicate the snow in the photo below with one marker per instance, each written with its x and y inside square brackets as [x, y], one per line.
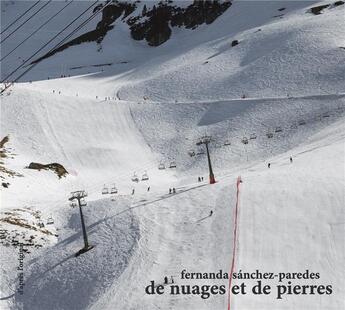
[291, 216]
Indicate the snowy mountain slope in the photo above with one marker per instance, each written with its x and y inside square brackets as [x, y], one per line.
[291, 216]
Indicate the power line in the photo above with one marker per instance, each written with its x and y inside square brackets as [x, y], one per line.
[20, 66]
[22, 24]
[40, 27]
[31, 7]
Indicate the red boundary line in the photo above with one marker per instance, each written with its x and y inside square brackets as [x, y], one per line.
[239, 181]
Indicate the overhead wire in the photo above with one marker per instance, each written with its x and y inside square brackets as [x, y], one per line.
[18, 18]
[23, 23]
[41, 48]
[34, 32]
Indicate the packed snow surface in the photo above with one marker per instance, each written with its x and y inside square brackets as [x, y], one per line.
[106, 126]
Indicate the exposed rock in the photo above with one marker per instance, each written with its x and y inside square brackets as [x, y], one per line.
[153, 25]
[57, 168]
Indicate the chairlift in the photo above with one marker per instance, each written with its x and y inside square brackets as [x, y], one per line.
[244, 140]
[135, 178]
[227, 142]
[269, 135]
[301, 122]
[200, 151]
[161, 166]
[252, 136]
[40, 224]
[145, 176]
[191, 153]
[73, 204]
[113, 189]
[172, 164]
[50, 221]
[105, 190]
[278, 129]
[83, 202]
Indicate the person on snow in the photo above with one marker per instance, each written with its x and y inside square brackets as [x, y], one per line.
[169, 190]
[148, 189]
[199, 179]
[211, 212]
[291, 160]
[133, 190]
[269, 165]
[174, 190]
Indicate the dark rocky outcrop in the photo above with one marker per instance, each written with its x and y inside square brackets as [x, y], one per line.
[153, 24]
[57, 168]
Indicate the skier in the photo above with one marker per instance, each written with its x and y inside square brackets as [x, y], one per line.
[202, 178]
[269, 165]
[291, 160]
[148, 189]
[133, 191]
[169, 190]
[174, 190]
[166, 281]
[211, 212]
[199, 179]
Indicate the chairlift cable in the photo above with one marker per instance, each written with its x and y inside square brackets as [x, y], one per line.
[40, 27]
[27, 60]
[23, 23]
[18, 18]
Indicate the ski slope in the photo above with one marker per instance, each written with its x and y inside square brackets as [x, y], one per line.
[101, 129]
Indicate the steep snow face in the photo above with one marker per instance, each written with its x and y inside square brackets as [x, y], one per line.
[291, 216]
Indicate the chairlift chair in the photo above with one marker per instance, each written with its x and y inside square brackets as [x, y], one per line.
[252, 136]
[40, 224]
[161, 166]
[269, 135]
[113, 189]
[244, 140]
[73, 204]
[172, 164]
[145, 176]
[135, 178]
[50, 221]
[200, 152]
[301, 122]
[278, 129]
[105, 190]
[83, 202]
